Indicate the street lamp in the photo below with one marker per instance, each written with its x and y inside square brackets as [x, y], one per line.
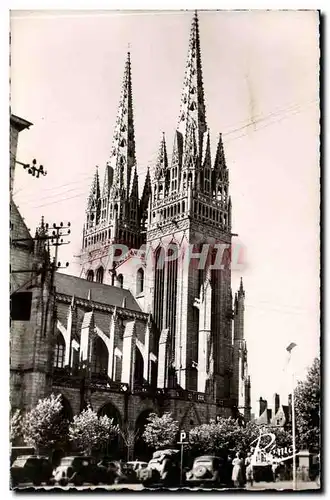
[294, 475]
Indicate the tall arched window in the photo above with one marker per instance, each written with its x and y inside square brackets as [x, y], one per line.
[99, 357]
[120, 281]
[138, 368]
[139, 281]
[171, 297]
[90, 275]
[59, 351]
[99, 275]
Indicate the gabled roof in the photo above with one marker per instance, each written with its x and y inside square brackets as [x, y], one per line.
[19, 123]
[105, 294]
[18, 228]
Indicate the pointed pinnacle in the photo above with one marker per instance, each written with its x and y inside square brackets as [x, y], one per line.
[220, 160]
[241, 289]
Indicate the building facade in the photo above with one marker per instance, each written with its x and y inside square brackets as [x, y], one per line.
[275, 414]
[151, 325]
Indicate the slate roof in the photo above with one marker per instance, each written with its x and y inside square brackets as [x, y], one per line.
[104, 294]
[19, 123]
[19, 228]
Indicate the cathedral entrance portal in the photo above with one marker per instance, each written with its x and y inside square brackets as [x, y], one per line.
[114, 446]
[141, 450]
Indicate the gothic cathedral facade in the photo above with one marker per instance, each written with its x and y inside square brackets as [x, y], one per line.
[163, 247]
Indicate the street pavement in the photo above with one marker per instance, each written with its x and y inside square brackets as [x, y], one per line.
[284, 485]
[279, 485]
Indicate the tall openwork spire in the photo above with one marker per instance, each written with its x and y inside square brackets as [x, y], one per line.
[123, 150]
[192, 112]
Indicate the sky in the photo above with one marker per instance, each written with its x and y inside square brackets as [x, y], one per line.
[260, 73]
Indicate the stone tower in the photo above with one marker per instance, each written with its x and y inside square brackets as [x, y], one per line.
[114, 213]
[241, 381]
[178, 238]
[188, 234]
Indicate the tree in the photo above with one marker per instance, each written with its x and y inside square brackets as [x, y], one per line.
[129, 436]
[44, 425]
[228, 435]
[307, 409]
[216, 438]
[161, 432]
[15, 425]
[88, 431]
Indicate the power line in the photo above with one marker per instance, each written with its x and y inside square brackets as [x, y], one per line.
[289, 111]
[54, 188]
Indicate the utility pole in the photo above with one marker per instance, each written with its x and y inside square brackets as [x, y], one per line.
[56, 240]
[33, 169]
[294, 465]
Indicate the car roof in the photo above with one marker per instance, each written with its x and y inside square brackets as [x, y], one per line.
[208, 457]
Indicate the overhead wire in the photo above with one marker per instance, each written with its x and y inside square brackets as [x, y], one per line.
[286, 112]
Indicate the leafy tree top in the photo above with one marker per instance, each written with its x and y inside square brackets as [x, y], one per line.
[307, 409]
[44, 425]
[161, 432]
[89, 431]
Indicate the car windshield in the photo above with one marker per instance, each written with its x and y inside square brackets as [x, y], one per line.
[68, 460]
[205, 463]
[20, 462]
[154, 461]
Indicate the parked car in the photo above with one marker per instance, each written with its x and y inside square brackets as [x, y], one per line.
[162, 469]
[132, 469]
[116, 470]
[31, 468]
[79, 469]
[18, 451]
[207, 471]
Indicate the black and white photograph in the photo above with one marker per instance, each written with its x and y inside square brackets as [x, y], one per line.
[165, 250]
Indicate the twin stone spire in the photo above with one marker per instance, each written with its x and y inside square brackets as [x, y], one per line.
[118, 203]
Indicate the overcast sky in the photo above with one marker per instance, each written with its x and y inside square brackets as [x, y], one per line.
[260, 73]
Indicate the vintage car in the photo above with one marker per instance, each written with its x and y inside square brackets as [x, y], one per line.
[79, 470]
[132, 469]
[207, 471]
[116, 470]
[31, 469]
[163, 469]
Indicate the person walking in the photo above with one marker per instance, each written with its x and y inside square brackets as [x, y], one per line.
[229, 470]
[275, 467]
[237, 474]
[249, 469]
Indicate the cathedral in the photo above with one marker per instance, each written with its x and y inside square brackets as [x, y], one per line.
[151, 324]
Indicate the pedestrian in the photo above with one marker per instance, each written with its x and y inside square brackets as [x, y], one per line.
[237, 474]
[249, 469]
[228, 470]
[274, 470]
